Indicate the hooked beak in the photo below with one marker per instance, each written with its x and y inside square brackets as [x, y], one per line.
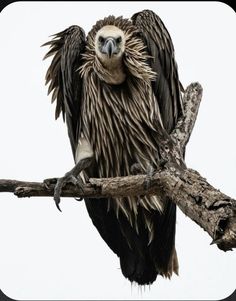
[110, 47]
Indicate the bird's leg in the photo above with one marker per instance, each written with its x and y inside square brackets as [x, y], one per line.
[136, 168]
[83, 158]
[149, 174]
[49, 182]
[71, 176]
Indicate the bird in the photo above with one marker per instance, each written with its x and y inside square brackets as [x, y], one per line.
[114, 88]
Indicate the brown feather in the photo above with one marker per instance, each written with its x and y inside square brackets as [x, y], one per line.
[121, 122]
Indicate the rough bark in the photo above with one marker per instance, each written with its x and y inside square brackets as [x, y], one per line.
[191, 102]
[208, 207]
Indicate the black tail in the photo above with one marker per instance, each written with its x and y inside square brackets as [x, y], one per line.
[140, 261]
[143, 262]
[138, 269]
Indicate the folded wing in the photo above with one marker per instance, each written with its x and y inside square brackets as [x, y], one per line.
[64, 79]
[160, 47]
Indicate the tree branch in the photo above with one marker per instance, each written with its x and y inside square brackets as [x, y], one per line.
[191, 102]
[208, 207]
[172, 147]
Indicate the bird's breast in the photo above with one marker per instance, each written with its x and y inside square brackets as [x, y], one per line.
[118, 122]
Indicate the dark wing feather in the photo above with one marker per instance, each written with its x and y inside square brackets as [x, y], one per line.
[63, 77]
[167, 90]
[159, 46]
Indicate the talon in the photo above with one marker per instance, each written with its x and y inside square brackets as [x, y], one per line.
[147, 183]
[61, 182]
[80, 183]
[148, 179]
[57, 204]
[57, 201]
[79, 199]
[48, 182]
[57, 191]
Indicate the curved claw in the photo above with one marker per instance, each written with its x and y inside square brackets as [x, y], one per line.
[57, 199]
[57, 205]
[61, 182]
[57, 191]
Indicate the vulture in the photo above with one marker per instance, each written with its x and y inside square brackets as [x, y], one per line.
[115, 87]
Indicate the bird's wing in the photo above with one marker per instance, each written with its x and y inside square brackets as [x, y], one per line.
[159, 46]
[167, 90]
[64, 79]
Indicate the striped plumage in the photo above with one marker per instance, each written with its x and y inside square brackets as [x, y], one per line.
[119, 122]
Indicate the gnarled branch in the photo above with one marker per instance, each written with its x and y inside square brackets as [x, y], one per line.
[191, 102]
[208, 207]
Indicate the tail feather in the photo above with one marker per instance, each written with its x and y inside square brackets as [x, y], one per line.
[162, 248]
[140, 260]
[144, 260]
[140, 270]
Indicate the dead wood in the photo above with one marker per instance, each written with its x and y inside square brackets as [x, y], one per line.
[207, 206]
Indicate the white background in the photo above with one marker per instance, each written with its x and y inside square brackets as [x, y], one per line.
[46, 254]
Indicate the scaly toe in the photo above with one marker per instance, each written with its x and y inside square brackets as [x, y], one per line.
[48, 182]
[57, 191]
[61, 182]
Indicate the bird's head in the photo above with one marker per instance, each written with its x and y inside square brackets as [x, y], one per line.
[115, 51]
[109, 43]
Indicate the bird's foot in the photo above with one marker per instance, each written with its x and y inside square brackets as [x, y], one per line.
[136, 169]
[59, 183]
[49, 182]
[150, 172]
[69, 178]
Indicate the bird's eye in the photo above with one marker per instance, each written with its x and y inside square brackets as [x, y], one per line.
[118, 40]
[101, 39]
